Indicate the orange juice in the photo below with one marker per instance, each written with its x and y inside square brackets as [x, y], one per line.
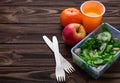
[92, 14]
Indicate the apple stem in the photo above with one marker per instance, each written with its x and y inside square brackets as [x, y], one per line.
[78, 29]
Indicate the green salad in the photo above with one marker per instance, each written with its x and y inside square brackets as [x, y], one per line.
[99, 49]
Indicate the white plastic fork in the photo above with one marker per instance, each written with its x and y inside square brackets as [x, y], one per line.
[59, 71]
[65, 64]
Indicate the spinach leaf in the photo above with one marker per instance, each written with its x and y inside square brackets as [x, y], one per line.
[97, 52]
[105, 28]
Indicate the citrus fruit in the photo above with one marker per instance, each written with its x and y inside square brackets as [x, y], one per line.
[70, 15]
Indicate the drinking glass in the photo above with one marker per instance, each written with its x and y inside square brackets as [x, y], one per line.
[92, 14]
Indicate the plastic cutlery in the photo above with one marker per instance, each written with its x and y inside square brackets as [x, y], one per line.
[65, 64]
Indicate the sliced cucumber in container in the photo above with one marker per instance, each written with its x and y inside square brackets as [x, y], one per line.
[104, 36]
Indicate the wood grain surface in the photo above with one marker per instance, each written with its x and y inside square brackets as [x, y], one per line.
[24, 56]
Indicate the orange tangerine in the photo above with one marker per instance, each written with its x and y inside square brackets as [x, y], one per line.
[70, 15]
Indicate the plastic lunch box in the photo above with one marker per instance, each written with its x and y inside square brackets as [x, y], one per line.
[95, 72]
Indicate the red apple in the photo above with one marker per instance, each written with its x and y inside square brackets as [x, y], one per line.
[73, 33]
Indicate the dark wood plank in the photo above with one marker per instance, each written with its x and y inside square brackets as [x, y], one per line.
[43, 11]
[37, 2]
[32, 48]
[105, 81]
[46, 75]
[22, 14]
[27, 74]
[32, 33]
[36, 74]
[30, 55]
[65, 3]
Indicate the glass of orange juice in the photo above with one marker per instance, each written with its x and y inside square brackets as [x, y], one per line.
[92, 14]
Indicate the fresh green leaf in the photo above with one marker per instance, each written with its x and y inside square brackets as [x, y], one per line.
[92, 51]
[98, 61]
[105, 28]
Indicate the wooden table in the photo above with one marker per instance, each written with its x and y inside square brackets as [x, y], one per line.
[24, 56]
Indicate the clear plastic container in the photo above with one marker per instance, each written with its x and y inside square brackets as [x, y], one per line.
[95, 72]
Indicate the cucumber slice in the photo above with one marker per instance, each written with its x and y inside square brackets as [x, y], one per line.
[104, 36]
